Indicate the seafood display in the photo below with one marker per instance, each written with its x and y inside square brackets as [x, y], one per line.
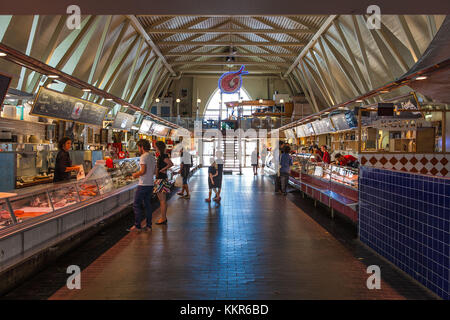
[5, 216]
[87, 190]
[64, 197]
[48, 200]
[31, 206]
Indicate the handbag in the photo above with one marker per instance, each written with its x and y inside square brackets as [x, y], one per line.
[179, 181]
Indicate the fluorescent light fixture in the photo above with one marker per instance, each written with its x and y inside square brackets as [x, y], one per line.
[281, 100]
[86, 90]
[124, 106]
[384, 91]
[359, 100]
[199, 100]
[53, 76]
[157, 100]
[421, 78]
[2, 54]
[178, 100]
[108, 99]
[261, 101]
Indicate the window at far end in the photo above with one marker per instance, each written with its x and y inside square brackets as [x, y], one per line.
[212, 109]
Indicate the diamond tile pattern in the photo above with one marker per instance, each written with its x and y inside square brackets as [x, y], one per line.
[405, 218]
[427, 164]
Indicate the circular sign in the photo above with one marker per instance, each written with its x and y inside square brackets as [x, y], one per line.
[231, 82]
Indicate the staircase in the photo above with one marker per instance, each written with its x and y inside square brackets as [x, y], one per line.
[230, 151]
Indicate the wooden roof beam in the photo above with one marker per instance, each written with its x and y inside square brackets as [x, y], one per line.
[235, 31]
[229, 43]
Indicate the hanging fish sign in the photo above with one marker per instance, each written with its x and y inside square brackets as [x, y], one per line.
[231, 82]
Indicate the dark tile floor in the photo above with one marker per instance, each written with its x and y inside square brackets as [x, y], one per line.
[254, 245]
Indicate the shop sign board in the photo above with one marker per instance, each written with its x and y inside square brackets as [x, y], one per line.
[323, 126]
[289, 133]
[400, 124]
[300, 132]
[5, 81]
[123, 121]
[340, 122]
[146, 126]
[57, 105]
[160, 130]
[309, 129]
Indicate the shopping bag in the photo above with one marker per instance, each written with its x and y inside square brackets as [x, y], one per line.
[179, 181]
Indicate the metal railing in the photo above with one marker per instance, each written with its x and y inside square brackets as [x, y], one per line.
[268, 123]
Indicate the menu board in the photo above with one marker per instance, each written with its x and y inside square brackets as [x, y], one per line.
[300, 132]
[160, 130]
[323, 126]
[123, 121]
[340, 122]
[4, 85]
[146, 126]
[319, 127]
[309, 129]
[351, 119]
[329, 125]
[53, 104]
[289, 133]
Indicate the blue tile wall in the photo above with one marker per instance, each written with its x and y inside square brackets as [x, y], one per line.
[405, 218]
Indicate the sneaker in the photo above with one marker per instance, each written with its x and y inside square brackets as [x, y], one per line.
[148, 228]
[187, 196]
[134, 229]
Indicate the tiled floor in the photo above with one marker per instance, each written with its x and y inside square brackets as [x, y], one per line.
[254, 245]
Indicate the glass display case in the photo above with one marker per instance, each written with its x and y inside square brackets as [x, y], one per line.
[64, 196]
[5, 216]
[299, 162]
[31, 206]
[342, 175]
[345, 175]
[39, 201]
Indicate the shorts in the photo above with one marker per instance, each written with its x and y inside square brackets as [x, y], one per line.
[185, 173]
[254, 165]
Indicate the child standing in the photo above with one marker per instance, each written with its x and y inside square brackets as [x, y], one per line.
[212, 181]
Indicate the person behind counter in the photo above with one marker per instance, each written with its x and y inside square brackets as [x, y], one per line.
[326, 156]
[345, 160]
[63, 164]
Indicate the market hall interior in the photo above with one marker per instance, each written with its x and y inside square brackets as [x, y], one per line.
[255, 244]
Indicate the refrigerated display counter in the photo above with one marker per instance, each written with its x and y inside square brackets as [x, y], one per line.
[334, 186]
[35, 219]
